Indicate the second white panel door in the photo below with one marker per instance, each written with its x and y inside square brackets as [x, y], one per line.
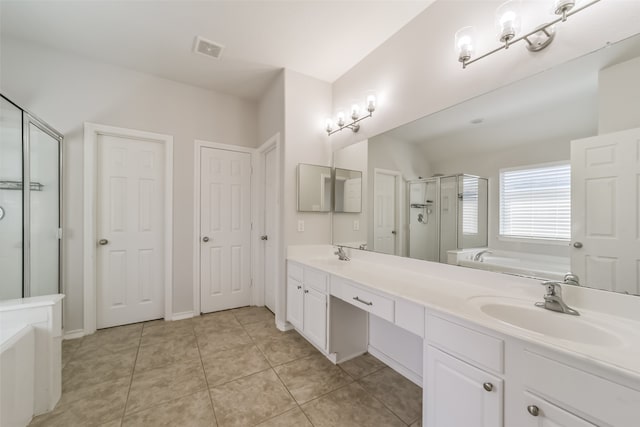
[225, 229]
[130, 231]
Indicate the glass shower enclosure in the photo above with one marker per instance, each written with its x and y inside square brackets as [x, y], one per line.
[30, 208]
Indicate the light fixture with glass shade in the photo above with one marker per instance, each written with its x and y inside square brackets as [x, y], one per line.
[355, 112]
[508, 22]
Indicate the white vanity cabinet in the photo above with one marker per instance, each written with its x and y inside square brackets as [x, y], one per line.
[307, 302]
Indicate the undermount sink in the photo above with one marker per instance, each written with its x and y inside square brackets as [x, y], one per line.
[525, 315]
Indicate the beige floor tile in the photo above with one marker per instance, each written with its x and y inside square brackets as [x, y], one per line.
[212, 341]
[247, 315]
[238, 362]
[160, 334]
[250, 400]
[169, 382]
[293, 418]
[69, 347]
[190, 411]
[311, 377]
[397, 393]
[156, 326]
[219, 321]
[174, 349]
[350, 406]
[417, 424]
[114, 423]
[283, 349]
[88, 406]
[87, 370]
[362, 365]
[263, 330]
[110, 340]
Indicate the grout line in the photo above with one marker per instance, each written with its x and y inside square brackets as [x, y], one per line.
[206, 380]
[133, 370]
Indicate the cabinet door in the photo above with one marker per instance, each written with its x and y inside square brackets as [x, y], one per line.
[459, 394]
[541, 413]
[294, 302]
[315, 317]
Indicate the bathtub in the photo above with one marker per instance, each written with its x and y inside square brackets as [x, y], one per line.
[30, 358]
[521, 264]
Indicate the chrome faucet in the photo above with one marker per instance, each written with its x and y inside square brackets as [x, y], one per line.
[553, 299]
[478, 256]
[342, 256]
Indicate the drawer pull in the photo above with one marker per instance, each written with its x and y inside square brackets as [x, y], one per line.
[533, 410]
[488, 386]
[362, 301]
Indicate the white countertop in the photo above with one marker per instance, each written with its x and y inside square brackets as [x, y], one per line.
[22, 303]
[451, 290]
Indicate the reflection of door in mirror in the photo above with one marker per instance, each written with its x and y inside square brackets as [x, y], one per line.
[605, 248]
[384, 216]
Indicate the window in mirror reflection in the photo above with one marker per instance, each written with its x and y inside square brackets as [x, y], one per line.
[348, 191]
[535, 202]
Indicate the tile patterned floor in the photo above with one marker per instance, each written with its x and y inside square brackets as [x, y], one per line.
[232, 368]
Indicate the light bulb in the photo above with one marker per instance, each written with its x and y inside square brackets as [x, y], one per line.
[371, 103]
[508, 21]
[329, 122]
[355, 111]
[340, 120]
[464, 43]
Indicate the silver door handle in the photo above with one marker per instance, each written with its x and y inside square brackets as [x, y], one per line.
[205, 239]
[577, 245]
[393, 232]
[103, 242]
[265, 237]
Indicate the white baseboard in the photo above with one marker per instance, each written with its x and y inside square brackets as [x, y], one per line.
[72, 335]
[181, 316]
[284, 326]
[401, 369]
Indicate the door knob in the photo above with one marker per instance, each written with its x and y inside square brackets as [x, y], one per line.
[533, 410]
[103, 242]
[205, 239]
[265, 237]
[577, 245]
[393, 231]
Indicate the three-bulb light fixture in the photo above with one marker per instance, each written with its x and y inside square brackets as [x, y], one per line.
[354, 125]
[509, 25]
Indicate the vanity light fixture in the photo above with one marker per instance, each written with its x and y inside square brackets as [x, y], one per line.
[508, 25]
[354, 125]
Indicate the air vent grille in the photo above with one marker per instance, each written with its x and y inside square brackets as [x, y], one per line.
[208, 48]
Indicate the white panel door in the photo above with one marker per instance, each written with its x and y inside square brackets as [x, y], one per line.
[384, 213]
[270, 203]
[456, 394]
[225, 229]
[130, 231]
[605, 211]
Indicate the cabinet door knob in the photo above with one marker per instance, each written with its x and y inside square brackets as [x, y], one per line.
[533, 410]
[488, 386]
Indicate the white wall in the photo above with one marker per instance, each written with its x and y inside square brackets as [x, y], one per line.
[416, 72]
[619, 97]
[488, 165]
[67, 90]
[353, 157]
[271, 110]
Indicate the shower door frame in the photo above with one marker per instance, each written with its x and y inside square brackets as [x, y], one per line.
[28, 119]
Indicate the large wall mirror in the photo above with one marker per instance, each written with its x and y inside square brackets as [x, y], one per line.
[547, 186]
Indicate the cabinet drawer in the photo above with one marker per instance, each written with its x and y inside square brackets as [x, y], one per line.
[316, 279]
[295, 271]
[466, 343]
[581, 391]
[410, 316]
[373, 303]
[551, 414]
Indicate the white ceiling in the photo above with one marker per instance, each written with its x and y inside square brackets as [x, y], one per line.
[558, 104]
[322, 39]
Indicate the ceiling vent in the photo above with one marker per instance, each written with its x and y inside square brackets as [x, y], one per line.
[208, 48]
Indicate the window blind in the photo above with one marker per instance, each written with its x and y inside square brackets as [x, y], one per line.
[469, 205]
[535, 202]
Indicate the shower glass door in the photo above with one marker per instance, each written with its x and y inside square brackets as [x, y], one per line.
[44, 211]
[11, 213]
